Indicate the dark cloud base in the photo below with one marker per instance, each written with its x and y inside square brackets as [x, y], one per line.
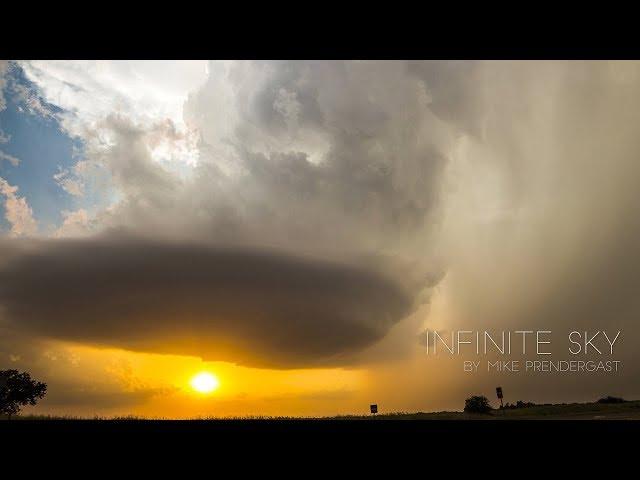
[253, 307]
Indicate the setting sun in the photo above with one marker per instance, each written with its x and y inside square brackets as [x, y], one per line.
[205, 382]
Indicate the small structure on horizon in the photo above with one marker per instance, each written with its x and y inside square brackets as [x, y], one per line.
[374, 408]
[499, 394]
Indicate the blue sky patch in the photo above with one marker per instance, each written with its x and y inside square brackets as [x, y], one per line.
[43, 149]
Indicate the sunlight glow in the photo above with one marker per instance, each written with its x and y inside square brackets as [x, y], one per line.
[205, 382]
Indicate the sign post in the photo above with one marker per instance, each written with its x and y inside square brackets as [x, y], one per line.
[499, 394]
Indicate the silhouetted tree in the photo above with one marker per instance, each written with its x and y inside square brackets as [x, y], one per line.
[17, 390]
[477, 404]
[611, 399]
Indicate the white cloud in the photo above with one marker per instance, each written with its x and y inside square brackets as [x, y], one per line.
[149, 95]
[72, 185]
[29, 99]
[340, 156]
[17, 211]
[76, 224]
[9, 158]
[145, 92]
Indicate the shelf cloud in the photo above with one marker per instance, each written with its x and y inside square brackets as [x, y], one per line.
[253, 307]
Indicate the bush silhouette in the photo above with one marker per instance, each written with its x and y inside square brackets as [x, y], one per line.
[477, 404]
[611, 399]
[17, 390]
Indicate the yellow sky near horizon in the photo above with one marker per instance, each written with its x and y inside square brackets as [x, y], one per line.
[158, 385]
[92, 381]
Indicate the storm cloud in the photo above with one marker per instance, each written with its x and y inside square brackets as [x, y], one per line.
[502, 194]
[253, 307]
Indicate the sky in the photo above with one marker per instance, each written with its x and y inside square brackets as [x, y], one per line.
[294, 228]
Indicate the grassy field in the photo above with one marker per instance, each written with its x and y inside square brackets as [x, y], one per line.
[571, 411]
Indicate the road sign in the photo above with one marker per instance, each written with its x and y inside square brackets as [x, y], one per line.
[499, 394]
[374, 408]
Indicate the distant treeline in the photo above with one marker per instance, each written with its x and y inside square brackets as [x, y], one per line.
[521, 404]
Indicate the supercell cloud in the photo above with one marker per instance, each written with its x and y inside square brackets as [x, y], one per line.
[257, 308]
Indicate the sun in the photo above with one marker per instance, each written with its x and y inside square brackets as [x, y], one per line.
[205, 382]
